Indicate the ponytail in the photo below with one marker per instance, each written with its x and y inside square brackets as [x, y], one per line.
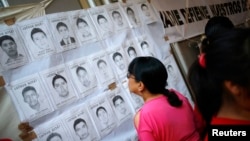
[172, 98]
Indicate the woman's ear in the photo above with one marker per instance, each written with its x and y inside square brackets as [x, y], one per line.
[140, 86]
[232, 87]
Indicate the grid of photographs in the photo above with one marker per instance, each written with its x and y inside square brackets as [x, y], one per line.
[82, 92]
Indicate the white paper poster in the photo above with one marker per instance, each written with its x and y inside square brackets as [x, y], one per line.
[37, 37]
[31, 98]
[80, 124]
[12, 52]
[59, 85]
[83, 76]
[62, 31]
[83, 26]
[102, 114]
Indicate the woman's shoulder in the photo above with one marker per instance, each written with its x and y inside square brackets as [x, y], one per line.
[179, 94]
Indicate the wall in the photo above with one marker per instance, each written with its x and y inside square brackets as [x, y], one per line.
[55, 6]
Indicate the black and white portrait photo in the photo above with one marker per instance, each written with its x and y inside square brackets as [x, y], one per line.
[119, 61]
[102, 114]
[62, 31]
[175, 79]
[80, 125]
[120, 105]
[102, 65]
[147, 12]
[12, 49]
[117, 17]
[146, 46]
[131, 50]
[82, 76]
[53, 130]
[132, 14]
[38, 37]
[59, 84]
[83, 26]
[102, 21]
[31, 97]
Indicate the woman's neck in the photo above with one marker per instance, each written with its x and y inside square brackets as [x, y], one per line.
[147, 96]
[233, 110]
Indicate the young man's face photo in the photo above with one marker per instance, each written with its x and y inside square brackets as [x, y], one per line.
[131, 15]
[145, 10]
[103, 68]
[81, 130]
[132, 53]
[40, 40]
[120, 106]
[84, 28]
[61, 87]
[146, 49]
[103, 23]
[63, 31]
[118, 19]
[171, 72]
[55, 138]
[9, 47]
[83, 77]
[119, 61]
[103, 116]
[31, 98]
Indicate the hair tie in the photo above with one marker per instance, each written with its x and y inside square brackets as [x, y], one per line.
[202, 60]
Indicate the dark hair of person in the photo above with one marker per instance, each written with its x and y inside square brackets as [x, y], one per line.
[116, 54]
[131, 48]
[36, 30]
[57, 76]
[98, 109]
[100, 61]
[53, 135]
[227, 58]
[28, 88]
[58, 25]
[77, 121]
[6, 37]
[116, 98]
[100, 17]
[130, 9]
[144, 43]
[169, 66]
[153, 74]
[80, 20]
[80, 68]
[115, 12]
[215, 26]
[144, 5]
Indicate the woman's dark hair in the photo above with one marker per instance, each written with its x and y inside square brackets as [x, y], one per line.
[215, 26]
[226, 58]
[153, 74]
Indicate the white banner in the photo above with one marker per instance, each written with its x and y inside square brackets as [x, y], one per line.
[185, 19]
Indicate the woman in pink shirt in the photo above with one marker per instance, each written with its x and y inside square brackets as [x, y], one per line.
[166, 114]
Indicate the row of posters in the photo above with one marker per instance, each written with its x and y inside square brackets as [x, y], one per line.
[36, 38]
[65, 83]
[89, 121]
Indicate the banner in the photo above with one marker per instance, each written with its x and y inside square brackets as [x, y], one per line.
[185, 19]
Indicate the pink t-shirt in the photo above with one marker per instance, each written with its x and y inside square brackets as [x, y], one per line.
[159, 121]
